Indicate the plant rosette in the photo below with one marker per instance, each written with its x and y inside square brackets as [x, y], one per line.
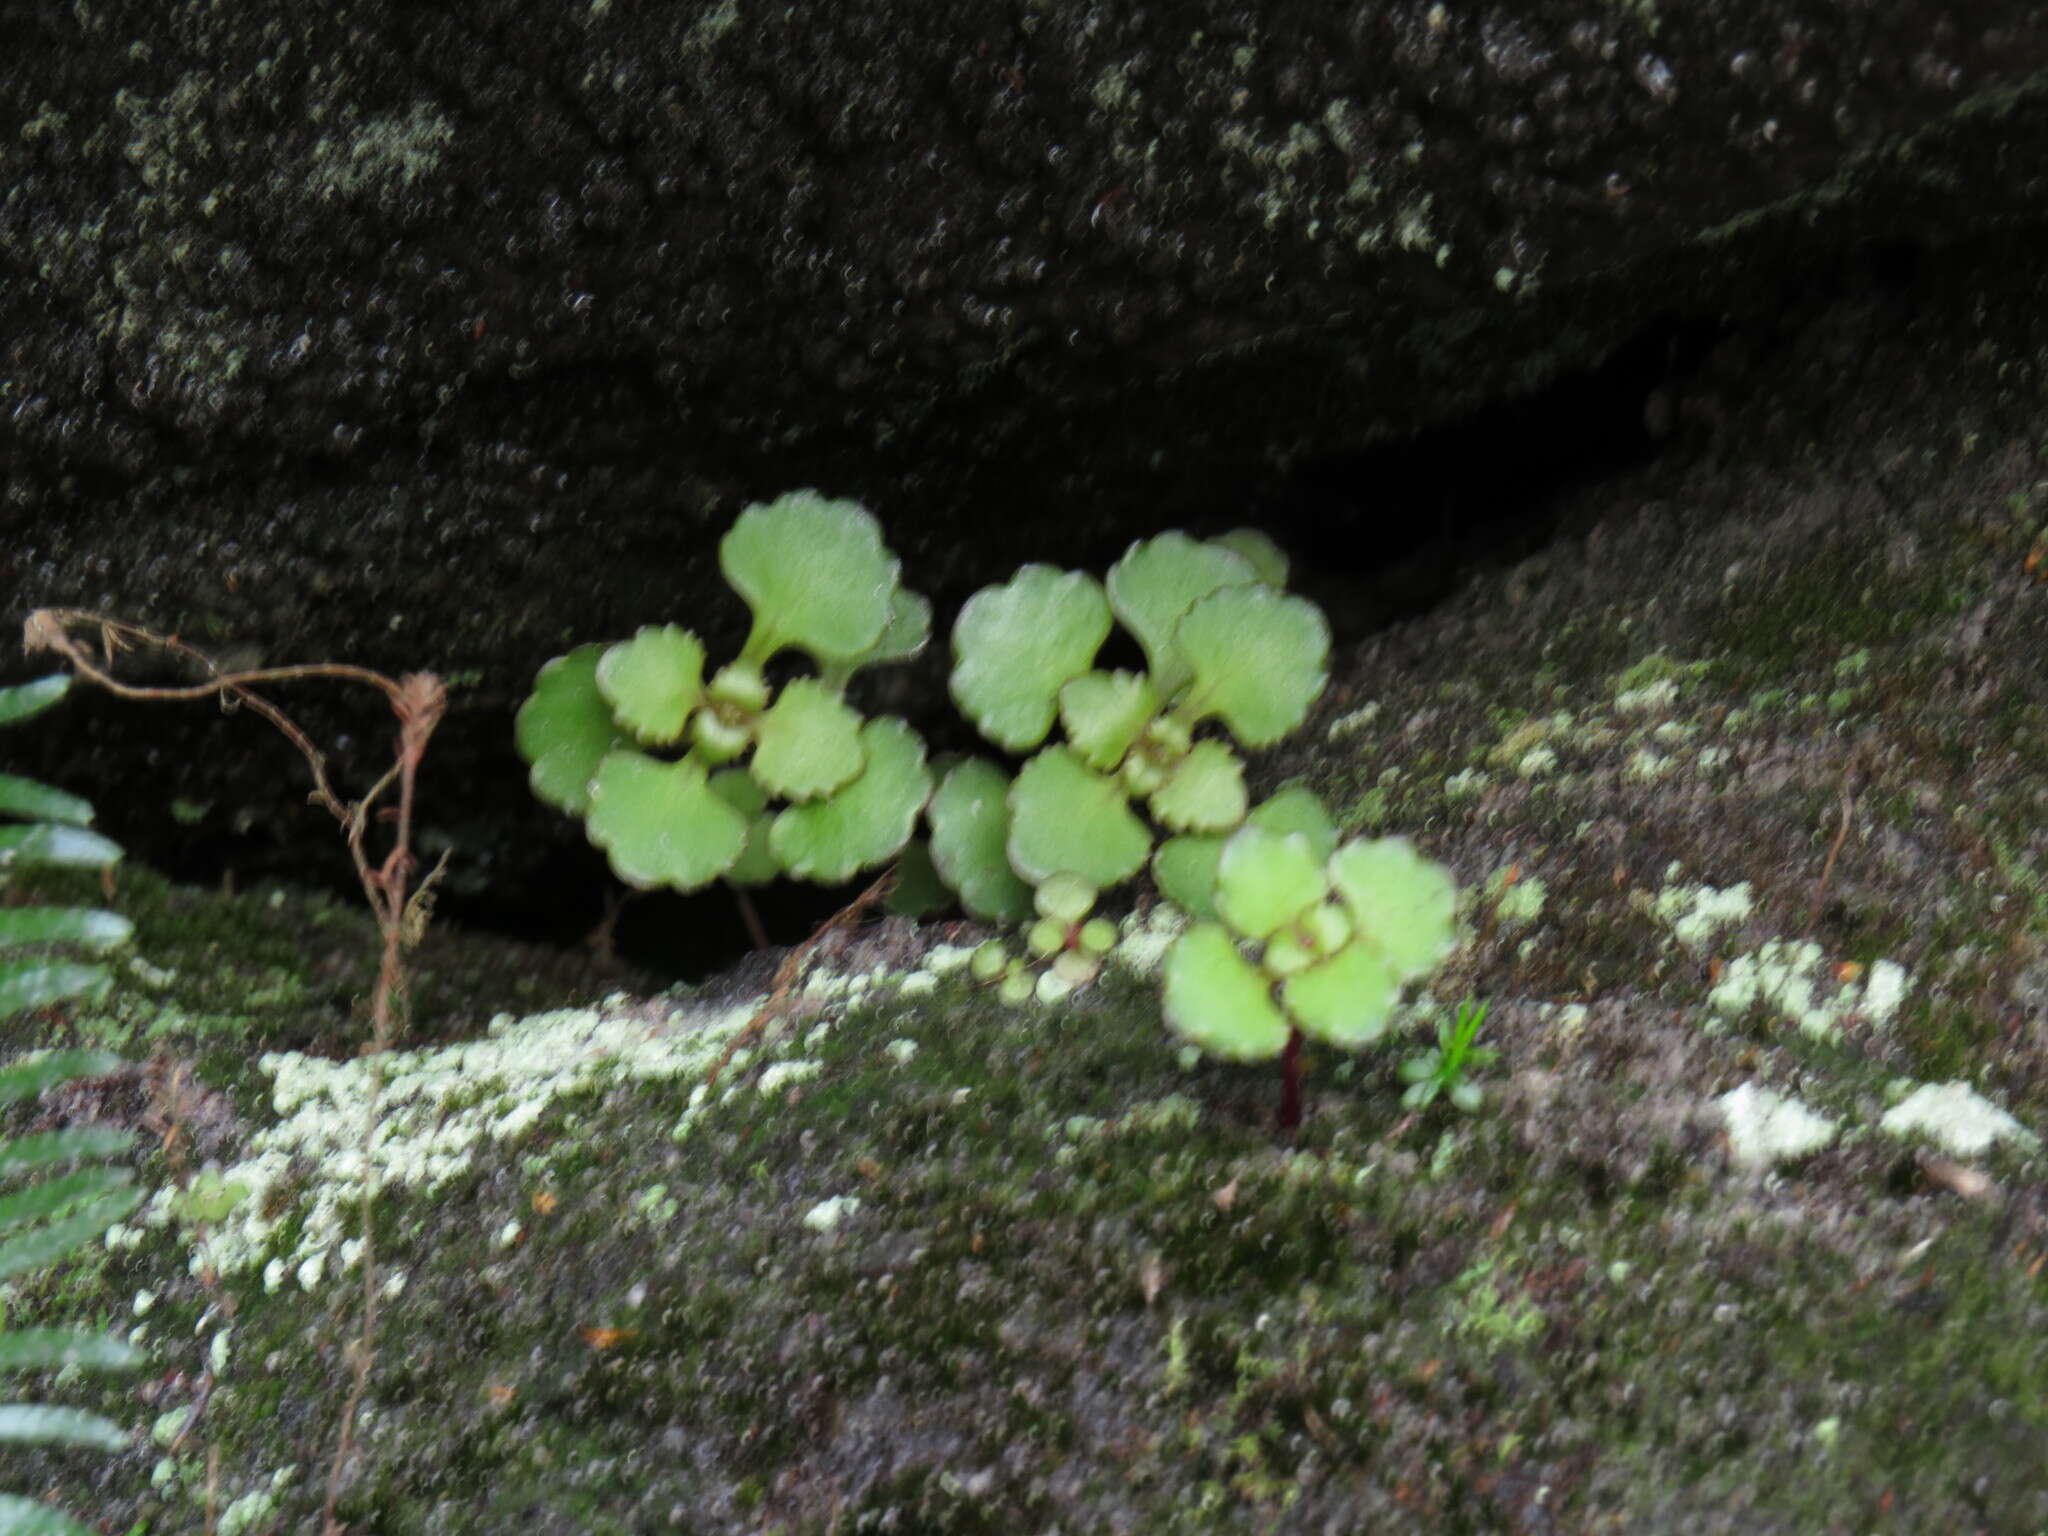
[1334, 934]
[1442, 1068]
[684, 779]
[1223, 645]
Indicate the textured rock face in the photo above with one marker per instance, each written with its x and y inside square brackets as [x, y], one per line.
[363, 332]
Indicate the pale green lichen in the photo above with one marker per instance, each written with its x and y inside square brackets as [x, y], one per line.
[1765, 1128]
[1783, 977]
[1957, 1118]
[437, 1108]
[1696, 913]
[828, 1214]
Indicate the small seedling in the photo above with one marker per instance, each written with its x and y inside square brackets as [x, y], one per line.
[683, 780]
[1337, 933]
[1223, 645]
[1442, 1068]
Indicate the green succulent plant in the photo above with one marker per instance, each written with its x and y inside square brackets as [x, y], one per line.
[1223, 647]
[683, 779]
[1442, 1068]
[1308, 940]
[43, 1222]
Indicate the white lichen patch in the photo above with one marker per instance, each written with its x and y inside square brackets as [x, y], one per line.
[828, 1214]
[1351, 723]
[1957, 1118]
[1654, 696]
[1695, 913]
[437, 1110]
[1788, 979]
[1766, 1128]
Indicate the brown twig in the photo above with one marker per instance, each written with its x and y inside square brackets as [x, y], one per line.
[419, 700]
[1850, 777]
[787, 973]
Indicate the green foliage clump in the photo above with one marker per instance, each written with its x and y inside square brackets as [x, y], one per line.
[684, 779]
[1223, 647]
[1334, 933]
[44, 1221]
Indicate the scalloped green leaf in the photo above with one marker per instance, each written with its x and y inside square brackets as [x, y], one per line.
[1297, 808]
[1067, 819]
[808, 743]
[565, 728]
[1346, 999]
[1405, 905]
[653, 681]
[1015, 646]
[1266, 880]
[662, 823]
[865, 823]
[816, 573]
[970, 826]
[907, 632]
[27, 798]
[1185, 866]
[1156, 582]
[1184, 869]
[1261, 553]
[1103, 712]
[1217, 999]
[21, 700]
[756, 864]
[1259, 659]
[1204, 793]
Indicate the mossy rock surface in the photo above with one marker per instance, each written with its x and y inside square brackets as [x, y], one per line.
[1739, 802]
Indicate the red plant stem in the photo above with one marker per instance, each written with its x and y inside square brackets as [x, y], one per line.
[1290, 1083]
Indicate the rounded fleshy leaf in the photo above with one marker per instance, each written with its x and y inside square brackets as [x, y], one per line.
[808, 744]
[653, 681]
[1204, 793]
[1103, 712]
[816, 573]
[1159, 580]
[907, 632]
[1404, 904]
[865, 823]
[1345, 999]
[1066, 899]
[755, 865]
[970, 822]
[1184, 869]
[1261, 553]
[565, 728]
[1015, 646]
[662, 823]
[1067, 819]
[1266, 879]
[1217, 999]
[1259, 658]
[1297, 808]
